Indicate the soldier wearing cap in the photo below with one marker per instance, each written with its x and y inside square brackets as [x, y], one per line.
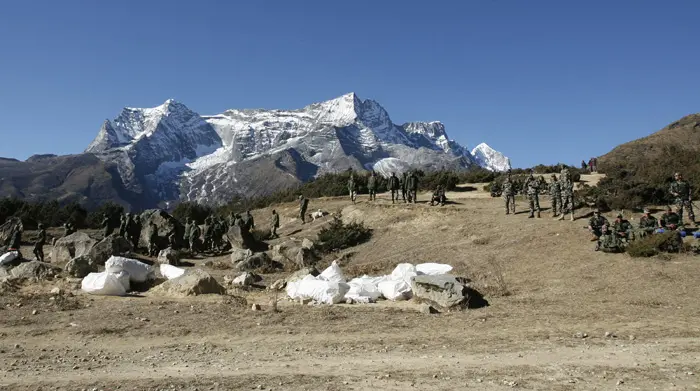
[596, 224]
[622, 228]
[670, 219]
[683, 197]
[647, 223]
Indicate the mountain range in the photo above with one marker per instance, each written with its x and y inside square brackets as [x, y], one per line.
[148, 156]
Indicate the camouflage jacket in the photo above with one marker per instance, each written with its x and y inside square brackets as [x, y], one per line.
[532, 185]
[394, 183]
[646, 222]
[670, 219]
[507, 188]
[412, 183]
[598, 222]
[621, 226]
[371, 182]
[680, 190]
[42, 238]
[555, 188]
[276, 220]
[351, 184]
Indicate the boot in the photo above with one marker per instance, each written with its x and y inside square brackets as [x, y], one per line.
[572, 216]
[561, 217]
[594, 238]
[531, 216]
[538, 214]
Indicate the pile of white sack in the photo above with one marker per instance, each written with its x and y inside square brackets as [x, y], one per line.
[117, 278]
[331, 287]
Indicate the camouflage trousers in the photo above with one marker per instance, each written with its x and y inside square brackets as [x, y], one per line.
[353, 195]
[557, 205]
[404, 192]
[567, 203]
[510, 203]
[534, 200]
[372, 195]
[681, 205]
[394, 196]
[610, 243]
[39, 252]
[412, 196]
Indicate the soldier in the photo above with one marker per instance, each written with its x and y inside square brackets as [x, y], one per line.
[622, 228]
[123, 224]
[609, 242]
[372, 186]
[647, 224]
[670, 220]
[135, 232]
[250, 221]
[412, 187]
[16, 240]
[683, 196]
[207, 233]
[39, 244]
[567, 194]
[555, 196]
[508, 193]
[275, 224]
[193, 240]
[107, 228]
[352, 188]
[394, 186]
[153, 240]
[532, 186]
[404, 186]
[303, 205]
[188, 227]
[172, 239]
[596, 224]
[438, 196]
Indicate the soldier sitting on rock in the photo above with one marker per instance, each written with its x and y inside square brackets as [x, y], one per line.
[596, 224]
[670, 219]
[438, 196]
[647, 224]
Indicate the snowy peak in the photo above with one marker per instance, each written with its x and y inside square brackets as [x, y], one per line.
[490, 159]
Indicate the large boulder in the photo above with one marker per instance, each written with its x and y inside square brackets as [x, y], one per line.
[169, 256]
[238, 255]
[246, 279]
[240, 238]
[192, 283]
[164, 222]
[300, 255]
[258, 261]
[71, 246]
[35, 270]
[81, 266]
[7, 229]
[111, 245]
[443, 291]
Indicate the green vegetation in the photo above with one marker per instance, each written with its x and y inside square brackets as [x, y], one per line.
[669, 242]
[338, 236]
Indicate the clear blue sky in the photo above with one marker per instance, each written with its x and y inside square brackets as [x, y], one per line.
[542, 81]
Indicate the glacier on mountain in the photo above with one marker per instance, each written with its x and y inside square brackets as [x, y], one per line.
[170, 152]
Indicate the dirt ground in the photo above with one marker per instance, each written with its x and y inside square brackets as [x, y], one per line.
[561, 317]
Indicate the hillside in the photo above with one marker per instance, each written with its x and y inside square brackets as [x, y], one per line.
[561, 317]
[639, 172]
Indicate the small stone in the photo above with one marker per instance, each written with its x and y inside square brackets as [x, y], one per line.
[620, 382]
[434, 376]
[690, 373]
[35, 312]
[255, 307]
[428, 309]
[607, 334]
[632, 337]
[479, 380]
[17, 346]
[56, 291]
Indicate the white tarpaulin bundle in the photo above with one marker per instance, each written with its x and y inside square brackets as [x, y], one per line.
[106, 284]
[330, 286]
[170, 271]
[138, 271]
[8, 257]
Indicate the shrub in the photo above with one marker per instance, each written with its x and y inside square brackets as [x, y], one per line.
[655, 244]
[191, 210]
[338, 235]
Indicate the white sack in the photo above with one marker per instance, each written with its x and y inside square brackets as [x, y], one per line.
[320, 291]
[106, 284]
[433, 269]
[395, 290]
[364, 289]
[124, 279]
[138, 271]
[170, 271]
[403, 272]
[333, 273]
[8, 257]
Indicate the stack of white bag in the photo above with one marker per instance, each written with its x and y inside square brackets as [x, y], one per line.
[117, 278]
[8, 257]
[330, 286]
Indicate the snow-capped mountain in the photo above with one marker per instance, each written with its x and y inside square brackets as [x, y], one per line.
[170, 152]
[490, 159]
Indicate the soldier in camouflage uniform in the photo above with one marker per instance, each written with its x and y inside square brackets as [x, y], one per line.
[153, 240]
[275, 224]
[404, 186]
[39, 244]
[622, 228]
[596, 224]
[372, 186]
[682, 194]
[670, 220]
[609, 242]
[532, 186]
[352, 188]
[647, 224]
[394, 186]
[567, 194]
[555, 196]
[508, 193]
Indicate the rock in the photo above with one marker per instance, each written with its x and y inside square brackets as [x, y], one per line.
[257, 261]
[255, 307]
[228, 280]
[56, 291]
[307, 244]
[349, 301]
[35, 312]
[111, 245]
[192, 283]
[441, 291]
[80, 267]
[301, 273]
[238, 255]
[71, 246]
[240, 238]
[169, 256]
[35, 270]
[305, 257]
[7, 229]
[581, 335]
[278, 285]
[246, 279]
[428, 309]
[164, 222]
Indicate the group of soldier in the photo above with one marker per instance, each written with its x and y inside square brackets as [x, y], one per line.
[561, 193]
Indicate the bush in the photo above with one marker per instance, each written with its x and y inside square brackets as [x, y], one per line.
[191, 210]
[338, 236]
[651, 245]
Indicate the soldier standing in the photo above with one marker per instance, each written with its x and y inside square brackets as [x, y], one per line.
[135, 232]
[250, 221]
[404, 186]
[394, 186]
[303, 205]
[683, 196]
[188, 227]
[567, 194]
[412, 187]
[508, 194]
[372, 186]
[39, 244]
[107, 228]
[555, 196]
[532, 186]
[275, 224]
[123, 225]
[352, 189]
[153, 240]
[195, 233]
